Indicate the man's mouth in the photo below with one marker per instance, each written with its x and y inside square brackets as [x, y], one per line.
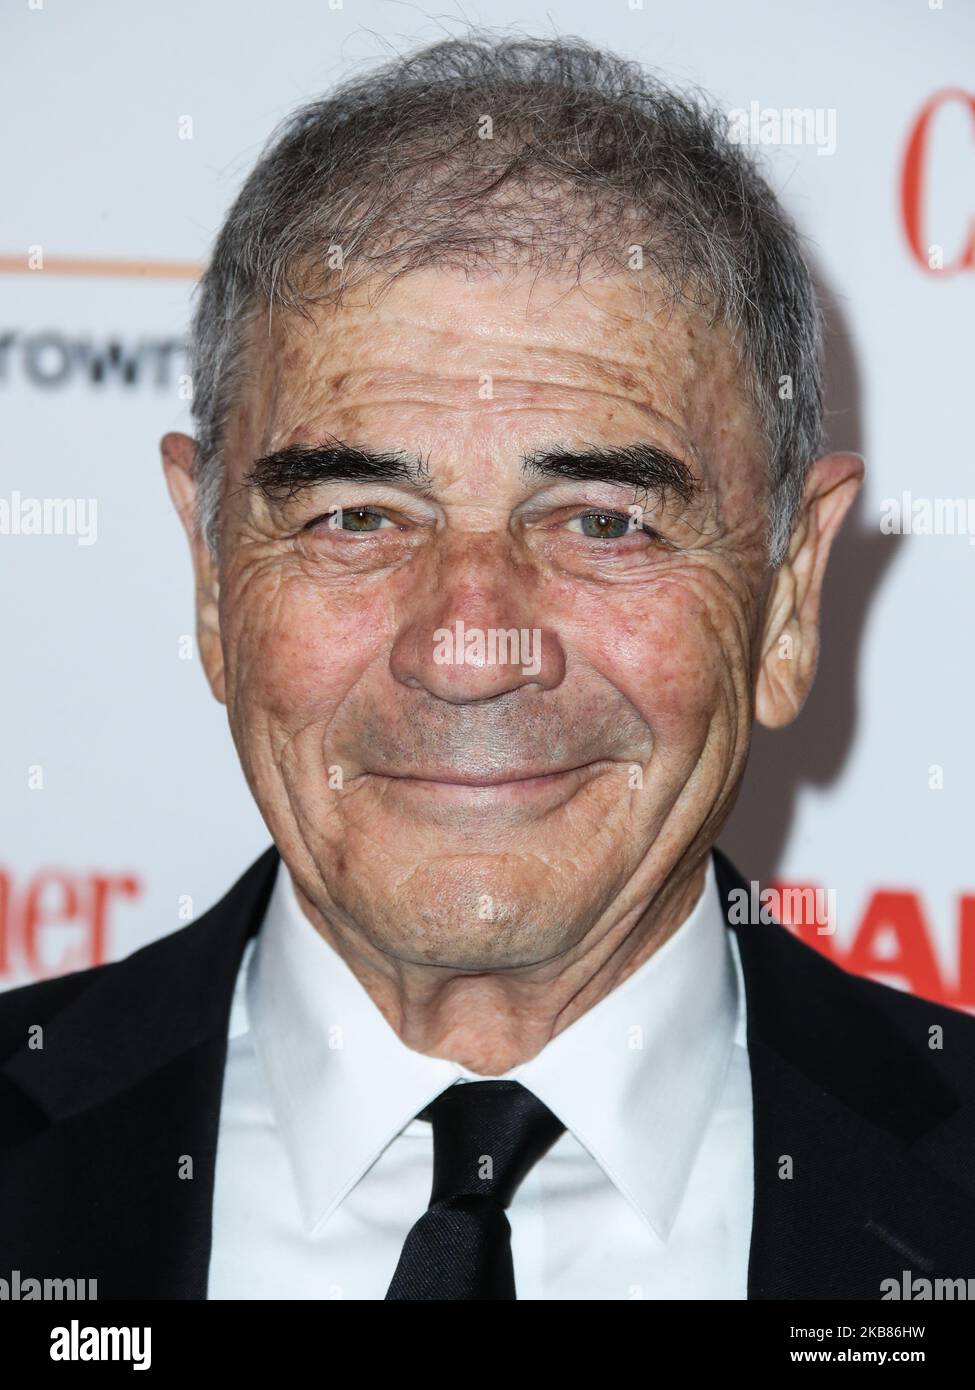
[511, 782]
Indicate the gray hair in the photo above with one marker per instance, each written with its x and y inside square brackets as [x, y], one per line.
[587, 156]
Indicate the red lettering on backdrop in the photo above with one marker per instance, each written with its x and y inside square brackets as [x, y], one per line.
[102, 888]
[895, 917]
[913, 186]
[966, 952]
[54, 900]
[4, 921]
[786, 896]
[39, 911]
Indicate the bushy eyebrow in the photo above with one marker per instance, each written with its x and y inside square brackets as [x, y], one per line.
[285, 473]
[642, 466]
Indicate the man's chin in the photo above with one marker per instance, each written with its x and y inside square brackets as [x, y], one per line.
[489, 948]
[472, 913]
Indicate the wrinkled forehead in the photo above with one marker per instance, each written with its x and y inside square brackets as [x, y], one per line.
[609, 351]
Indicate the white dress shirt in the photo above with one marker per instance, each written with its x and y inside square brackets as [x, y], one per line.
[322, 1167]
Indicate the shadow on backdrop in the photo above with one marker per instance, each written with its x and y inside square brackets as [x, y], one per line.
[813, 749]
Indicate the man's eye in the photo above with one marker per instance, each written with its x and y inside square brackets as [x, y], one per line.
[359, 519]
[607, 526]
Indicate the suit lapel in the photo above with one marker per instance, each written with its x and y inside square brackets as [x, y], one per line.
[120, 1112]
[853, 1104]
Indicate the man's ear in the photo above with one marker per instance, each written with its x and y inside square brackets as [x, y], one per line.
[790, 641]
[178, 458]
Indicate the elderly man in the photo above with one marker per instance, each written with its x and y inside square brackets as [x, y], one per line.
[508, 517]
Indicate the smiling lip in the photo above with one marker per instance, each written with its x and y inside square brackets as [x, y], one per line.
[522, 779]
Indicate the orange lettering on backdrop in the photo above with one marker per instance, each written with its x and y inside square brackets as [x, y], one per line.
[913, 185]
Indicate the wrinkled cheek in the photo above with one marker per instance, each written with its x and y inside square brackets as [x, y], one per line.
[685, 695]
[671, 667]
[290, 674]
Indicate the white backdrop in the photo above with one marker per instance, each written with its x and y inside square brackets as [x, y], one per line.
[121, 795]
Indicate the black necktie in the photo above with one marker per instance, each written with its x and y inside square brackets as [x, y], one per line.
[486, 1136]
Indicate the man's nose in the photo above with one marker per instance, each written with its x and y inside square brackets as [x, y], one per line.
[476, 639]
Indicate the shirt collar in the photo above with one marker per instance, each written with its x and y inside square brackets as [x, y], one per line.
[635, 1079]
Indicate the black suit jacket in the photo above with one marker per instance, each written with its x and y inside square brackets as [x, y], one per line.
[94, 1127]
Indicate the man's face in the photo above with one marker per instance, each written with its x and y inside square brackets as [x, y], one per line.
[458, 802]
